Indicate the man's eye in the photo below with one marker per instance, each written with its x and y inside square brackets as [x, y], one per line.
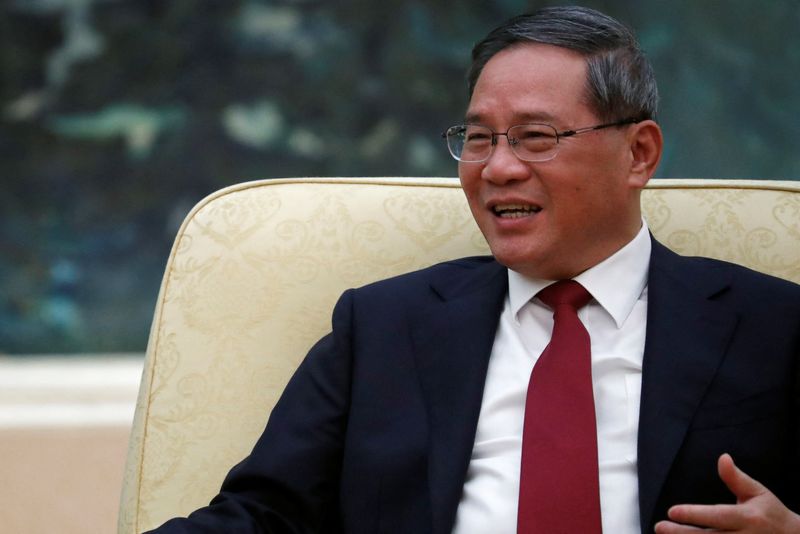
[533, 134]
[477, 136]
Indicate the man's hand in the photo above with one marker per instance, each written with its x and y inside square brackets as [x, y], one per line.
[757, 510]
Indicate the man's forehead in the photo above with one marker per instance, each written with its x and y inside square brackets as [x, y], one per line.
[519, 59]
[529, 82]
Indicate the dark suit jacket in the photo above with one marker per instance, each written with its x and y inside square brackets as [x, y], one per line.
[374, 432]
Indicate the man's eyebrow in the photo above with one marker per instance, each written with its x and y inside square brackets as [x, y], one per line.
[519, 118]
[536, 116]
[472, 118]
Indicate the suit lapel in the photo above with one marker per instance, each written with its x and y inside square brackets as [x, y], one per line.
[453, 339]
[687, 335]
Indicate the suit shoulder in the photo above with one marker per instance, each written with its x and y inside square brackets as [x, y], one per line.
[747, 274]
[447, 272]
[444, 280]
[754, 284]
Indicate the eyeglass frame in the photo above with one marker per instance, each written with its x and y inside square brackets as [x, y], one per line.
[559, 135]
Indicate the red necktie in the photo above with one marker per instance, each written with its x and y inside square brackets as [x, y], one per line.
[559, 487]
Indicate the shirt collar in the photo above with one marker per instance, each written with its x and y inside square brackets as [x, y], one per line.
[616, 283]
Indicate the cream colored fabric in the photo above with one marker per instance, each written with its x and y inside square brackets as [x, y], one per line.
[256, 269]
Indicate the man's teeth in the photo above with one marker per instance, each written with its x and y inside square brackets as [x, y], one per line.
[514, 211]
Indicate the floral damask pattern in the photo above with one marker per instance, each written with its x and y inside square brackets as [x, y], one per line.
[429, 221]
[758, 228]
[258, 267]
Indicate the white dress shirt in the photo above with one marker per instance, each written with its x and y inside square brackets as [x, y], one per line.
[615, 318]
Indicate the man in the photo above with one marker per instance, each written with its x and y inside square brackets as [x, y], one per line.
[419, 412]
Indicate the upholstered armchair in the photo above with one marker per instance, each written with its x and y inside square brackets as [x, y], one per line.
[256, 269]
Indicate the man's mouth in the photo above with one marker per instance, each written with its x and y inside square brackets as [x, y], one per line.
[515, 211]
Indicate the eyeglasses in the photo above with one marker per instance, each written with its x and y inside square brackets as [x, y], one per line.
[472, 143]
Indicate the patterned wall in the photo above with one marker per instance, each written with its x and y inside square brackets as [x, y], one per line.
[116, 116]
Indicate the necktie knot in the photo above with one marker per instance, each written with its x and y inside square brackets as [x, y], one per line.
[565, 292]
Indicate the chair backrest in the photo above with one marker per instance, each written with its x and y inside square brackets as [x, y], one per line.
[256, 269]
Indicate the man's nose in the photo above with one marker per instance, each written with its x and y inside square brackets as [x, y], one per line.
[503, 164]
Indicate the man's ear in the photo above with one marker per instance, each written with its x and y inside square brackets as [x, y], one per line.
[646, 145]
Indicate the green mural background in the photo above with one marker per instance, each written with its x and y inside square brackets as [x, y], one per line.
[116, 116]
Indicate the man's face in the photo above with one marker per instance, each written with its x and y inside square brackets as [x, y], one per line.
[584, 204]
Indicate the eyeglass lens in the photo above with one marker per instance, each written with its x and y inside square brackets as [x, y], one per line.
[474, 143]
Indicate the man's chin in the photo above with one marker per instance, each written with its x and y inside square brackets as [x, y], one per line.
[539, 266]
[527, 264]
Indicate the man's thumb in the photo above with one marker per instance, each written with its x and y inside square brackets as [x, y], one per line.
[737, 480]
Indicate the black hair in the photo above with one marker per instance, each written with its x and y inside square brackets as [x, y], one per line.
[620, 80]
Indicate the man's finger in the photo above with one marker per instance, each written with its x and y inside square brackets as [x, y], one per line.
[717, 516]
[668, 527]
[739, 482]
